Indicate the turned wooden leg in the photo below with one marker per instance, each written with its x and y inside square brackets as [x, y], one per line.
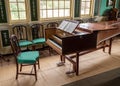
[17, 71]
[110, 46]
[20, 67]
[77, 64]
[38, 64]
[104, 46]
[35, 72]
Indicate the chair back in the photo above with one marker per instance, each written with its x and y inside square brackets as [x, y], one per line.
[20, 31]
[52, 25]
[15, 45]
[37, 31]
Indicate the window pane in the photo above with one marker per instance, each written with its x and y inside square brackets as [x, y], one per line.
[14, 16]
[83, 4]
[55, 13]
[17, 0]
[43, 4]
[82, 10]
[87, 11]
[43, 13]
[61, 4]
[61, 13]
[87, 4]
[49, 4]
[55, 4]
[21, 6]
[67, 4]
[13, 6]
[21, 0]
[12, 0]
[67, 12]
[49, 13]
[22, 15]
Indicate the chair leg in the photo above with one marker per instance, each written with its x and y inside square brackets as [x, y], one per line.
[35, 72]
[43, 46]
[17, 71]
[38, 64]
[20, 67]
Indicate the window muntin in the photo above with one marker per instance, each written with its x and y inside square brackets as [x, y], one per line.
[86, 7]
[17, 10]
[50, 9]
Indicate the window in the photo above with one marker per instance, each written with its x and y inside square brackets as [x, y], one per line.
[86, 7]
[50, 9]
[17, 10]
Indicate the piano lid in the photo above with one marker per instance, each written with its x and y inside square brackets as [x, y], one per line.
[97, 26]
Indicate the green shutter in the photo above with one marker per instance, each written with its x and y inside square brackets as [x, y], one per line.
[96, 9]
[77, 8]
[5, 38]
[33, 7]
[3, 17]
[118, 4]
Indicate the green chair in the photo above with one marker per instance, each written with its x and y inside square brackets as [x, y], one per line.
[25, 58]
[21, 32]
[37, 35]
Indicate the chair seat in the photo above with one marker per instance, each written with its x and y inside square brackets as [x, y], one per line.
[24, 43]
[28, 57]
[38, 40]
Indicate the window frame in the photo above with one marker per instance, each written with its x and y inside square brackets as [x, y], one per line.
[19, 20]
[55, 18]
[91, 12]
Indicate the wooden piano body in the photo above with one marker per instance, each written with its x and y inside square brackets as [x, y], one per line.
[66, 43]
[85, 38]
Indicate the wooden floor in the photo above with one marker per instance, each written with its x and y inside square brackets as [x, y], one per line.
[50, 75]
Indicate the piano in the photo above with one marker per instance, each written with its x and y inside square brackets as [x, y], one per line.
[71, 39]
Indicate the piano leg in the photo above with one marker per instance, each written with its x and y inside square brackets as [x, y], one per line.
[104, 46]
[62, 62]
[62, 58]
[110, 45]
[77, 64]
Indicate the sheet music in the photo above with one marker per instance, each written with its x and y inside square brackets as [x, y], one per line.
[70, 27]
[63, 25]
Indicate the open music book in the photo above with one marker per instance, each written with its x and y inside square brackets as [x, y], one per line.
[63, 25]
[68, 25]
